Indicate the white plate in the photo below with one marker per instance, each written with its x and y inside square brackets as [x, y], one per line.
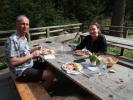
[71, 71]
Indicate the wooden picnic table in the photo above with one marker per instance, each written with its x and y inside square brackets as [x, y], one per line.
[106, 86]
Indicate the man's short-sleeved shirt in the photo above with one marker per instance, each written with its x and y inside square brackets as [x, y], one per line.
[16, 46]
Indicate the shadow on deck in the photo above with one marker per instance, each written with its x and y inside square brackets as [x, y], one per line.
[68, 90]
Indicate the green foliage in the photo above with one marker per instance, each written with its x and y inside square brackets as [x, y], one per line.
[50, 12]
[56, 12]
[93, 57]
[5, 17]
[129, 10]
[2, 63]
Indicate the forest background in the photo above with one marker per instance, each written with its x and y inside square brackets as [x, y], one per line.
[56, 12]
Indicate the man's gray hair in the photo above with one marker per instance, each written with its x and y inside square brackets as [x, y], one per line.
[19, 18]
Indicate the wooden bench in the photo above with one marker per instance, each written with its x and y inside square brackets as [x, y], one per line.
[32, 91]
[21, 90]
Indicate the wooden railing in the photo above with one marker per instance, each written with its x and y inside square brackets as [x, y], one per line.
[43, 32]
[50, 31]
[124, 31]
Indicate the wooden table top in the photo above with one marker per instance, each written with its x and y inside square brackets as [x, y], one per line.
[109, 86]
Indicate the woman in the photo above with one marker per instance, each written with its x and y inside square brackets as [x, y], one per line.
[95, 41]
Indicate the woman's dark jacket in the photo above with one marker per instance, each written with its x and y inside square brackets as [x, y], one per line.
[98, 45]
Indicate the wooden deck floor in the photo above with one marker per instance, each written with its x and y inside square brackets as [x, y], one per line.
[68, 90]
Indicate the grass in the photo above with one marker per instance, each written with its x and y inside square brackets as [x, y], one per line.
[74, 41]
[128, 53]
[116, 50]
[130, 36]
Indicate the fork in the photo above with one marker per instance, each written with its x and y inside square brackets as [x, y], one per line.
[82, 72]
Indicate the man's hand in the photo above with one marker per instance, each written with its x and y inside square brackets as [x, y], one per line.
[36, 53]
[36, 47]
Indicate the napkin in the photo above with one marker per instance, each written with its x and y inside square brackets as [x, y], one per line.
[50, 56]
[93, 68]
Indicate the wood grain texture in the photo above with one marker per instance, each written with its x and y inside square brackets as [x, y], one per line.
[111, 86]
[32, 91]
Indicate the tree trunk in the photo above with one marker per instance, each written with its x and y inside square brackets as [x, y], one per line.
[118, 17]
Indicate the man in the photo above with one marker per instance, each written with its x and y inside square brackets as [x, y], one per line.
[20, 57]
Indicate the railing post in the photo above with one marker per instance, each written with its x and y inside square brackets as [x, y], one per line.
[47, 33]
[62, 32]
[124, 36]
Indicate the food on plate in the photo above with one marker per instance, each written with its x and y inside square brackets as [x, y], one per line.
[82, 52]
[72, 66]
[47, 51]
[109, 60]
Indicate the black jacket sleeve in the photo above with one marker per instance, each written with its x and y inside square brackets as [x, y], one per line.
[102, 45]
[82, 44]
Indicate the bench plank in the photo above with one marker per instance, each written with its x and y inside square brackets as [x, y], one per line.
[24, 92]
[119, 40]
[32, 91]
[120, 45]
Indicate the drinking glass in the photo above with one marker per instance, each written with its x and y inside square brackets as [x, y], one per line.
[103, 68]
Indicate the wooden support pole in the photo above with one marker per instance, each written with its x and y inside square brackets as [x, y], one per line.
[47, 33]
[125, 33]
